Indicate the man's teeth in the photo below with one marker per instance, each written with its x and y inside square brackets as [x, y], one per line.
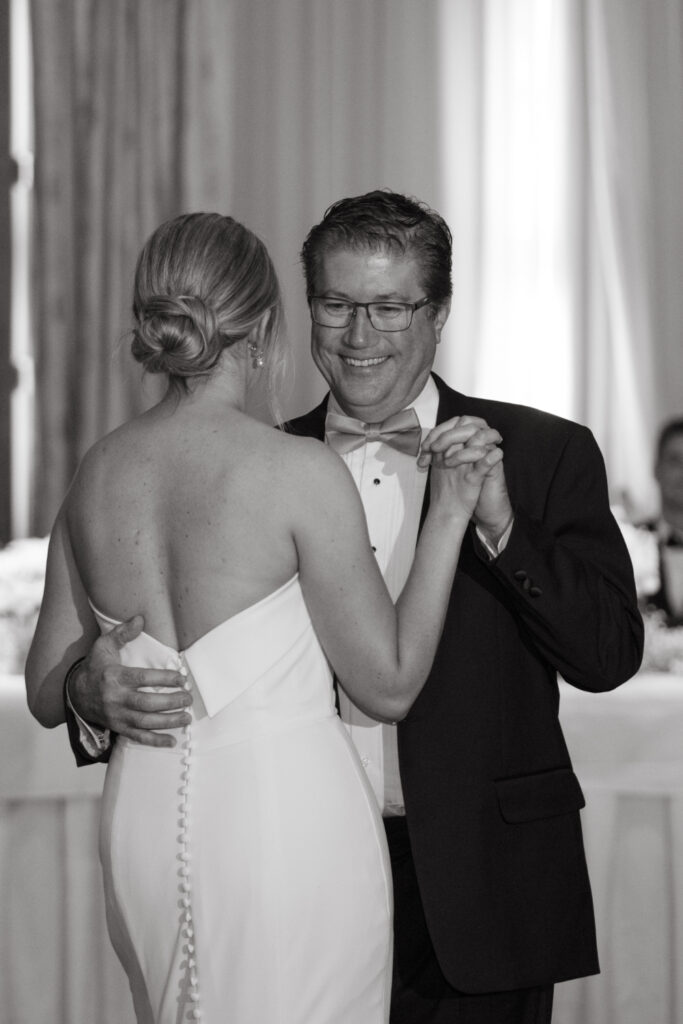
[364, 362]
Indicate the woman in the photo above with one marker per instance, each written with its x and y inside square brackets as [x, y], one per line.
[245, 869]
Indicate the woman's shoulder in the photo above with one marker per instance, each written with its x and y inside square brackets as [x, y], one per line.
[301, 472]
[309, 459]
[104, 464]
[109, 447]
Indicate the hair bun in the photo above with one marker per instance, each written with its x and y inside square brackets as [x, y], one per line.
[177, 335]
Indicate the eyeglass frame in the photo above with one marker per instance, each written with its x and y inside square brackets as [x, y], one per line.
[412, 306]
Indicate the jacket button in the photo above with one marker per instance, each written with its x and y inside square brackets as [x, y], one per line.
[535, 591]
[520, 575]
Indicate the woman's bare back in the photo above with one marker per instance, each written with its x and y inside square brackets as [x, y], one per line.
[182, 517]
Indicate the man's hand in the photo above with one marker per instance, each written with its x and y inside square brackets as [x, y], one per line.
[106, 693]
[493, 513]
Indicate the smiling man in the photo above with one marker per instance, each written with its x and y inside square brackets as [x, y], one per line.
[371, 343]
[480, 803]
[481, 807]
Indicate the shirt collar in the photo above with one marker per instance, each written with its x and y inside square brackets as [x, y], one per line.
[426, 405]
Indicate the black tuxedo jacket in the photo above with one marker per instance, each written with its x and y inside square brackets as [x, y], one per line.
[492, 803]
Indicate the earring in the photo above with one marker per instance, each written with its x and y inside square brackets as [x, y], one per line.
[256, 355]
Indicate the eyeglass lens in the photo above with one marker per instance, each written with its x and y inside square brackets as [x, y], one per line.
[384, 316]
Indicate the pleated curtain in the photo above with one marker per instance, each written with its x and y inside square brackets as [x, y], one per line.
[265, 110]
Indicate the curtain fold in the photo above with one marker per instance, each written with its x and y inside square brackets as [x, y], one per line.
[621, 351]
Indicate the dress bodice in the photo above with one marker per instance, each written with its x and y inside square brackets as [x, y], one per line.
[258, 671]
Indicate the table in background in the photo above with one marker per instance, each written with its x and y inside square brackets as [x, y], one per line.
[56, 965]
[627, 749]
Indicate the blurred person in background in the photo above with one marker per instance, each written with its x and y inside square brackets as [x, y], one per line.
[669, 525]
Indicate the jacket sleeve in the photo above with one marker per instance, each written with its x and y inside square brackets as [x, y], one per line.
[569, 577]
[82, 755]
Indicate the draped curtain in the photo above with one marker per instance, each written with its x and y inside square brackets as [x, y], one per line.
[632, 352]
[268, 111]
[562, 142]
[124, 95]
[549, 133]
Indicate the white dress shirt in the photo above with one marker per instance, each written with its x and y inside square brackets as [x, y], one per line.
[392, 488]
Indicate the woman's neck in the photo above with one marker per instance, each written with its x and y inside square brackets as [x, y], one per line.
[225, 387]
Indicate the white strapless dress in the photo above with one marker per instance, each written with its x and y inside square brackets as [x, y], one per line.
[245, 870]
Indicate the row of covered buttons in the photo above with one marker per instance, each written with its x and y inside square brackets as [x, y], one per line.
[194, 1012]
[527, 583]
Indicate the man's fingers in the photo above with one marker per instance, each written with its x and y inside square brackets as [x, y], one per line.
[165, 678]
[122, 633]
[156, 703]
[473, 422]
[146, 722]
[457, 456]
[483, 466]
[443, 435]
[493, 457]
[469, 435]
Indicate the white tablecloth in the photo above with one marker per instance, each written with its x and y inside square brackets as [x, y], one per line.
[627, 749]
[56, 963]
[56, 966]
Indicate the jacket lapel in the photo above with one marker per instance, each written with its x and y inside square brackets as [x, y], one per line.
[311, 424]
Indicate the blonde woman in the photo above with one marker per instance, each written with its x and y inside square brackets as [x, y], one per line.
[245, 867]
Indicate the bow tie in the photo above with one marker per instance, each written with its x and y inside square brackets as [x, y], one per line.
[401, 431]
[674, 541]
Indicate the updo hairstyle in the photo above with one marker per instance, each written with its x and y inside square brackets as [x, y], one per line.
[202, 283]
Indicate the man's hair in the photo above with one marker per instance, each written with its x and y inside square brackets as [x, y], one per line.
[670, 429]
[384, 221]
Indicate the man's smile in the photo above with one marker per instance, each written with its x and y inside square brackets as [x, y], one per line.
[353, 361]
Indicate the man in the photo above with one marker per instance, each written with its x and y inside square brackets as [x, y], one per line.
[492, 899]
[669, 526]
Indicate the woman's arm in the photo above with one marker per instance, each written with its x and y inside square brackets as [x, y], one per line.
[66, 630]
[381, 654]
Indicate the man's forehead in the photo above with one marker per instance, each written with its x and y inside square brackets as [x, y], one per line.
[366, 259]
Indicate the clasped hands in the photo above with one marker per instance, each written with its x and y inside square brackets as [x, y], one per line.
[463, 437]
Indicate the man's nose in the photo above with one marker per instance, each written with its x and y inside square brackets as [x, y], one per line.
[359, 332]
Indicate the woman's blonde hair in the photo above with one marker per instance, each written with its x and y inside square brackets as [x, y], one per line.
[202, 283]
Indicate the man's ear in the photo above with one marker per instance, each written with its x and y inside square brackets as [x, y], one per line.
[440, 317]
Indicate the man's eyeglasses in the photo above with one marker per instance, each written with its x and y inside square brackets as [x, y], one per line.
[384, 316]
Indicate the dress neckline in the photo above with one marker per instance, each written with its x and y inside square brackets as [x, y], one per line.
[272, 596]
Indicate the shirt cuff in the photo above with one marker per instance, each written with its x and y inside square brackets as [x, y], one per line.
[95, 741]
[493, 550]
